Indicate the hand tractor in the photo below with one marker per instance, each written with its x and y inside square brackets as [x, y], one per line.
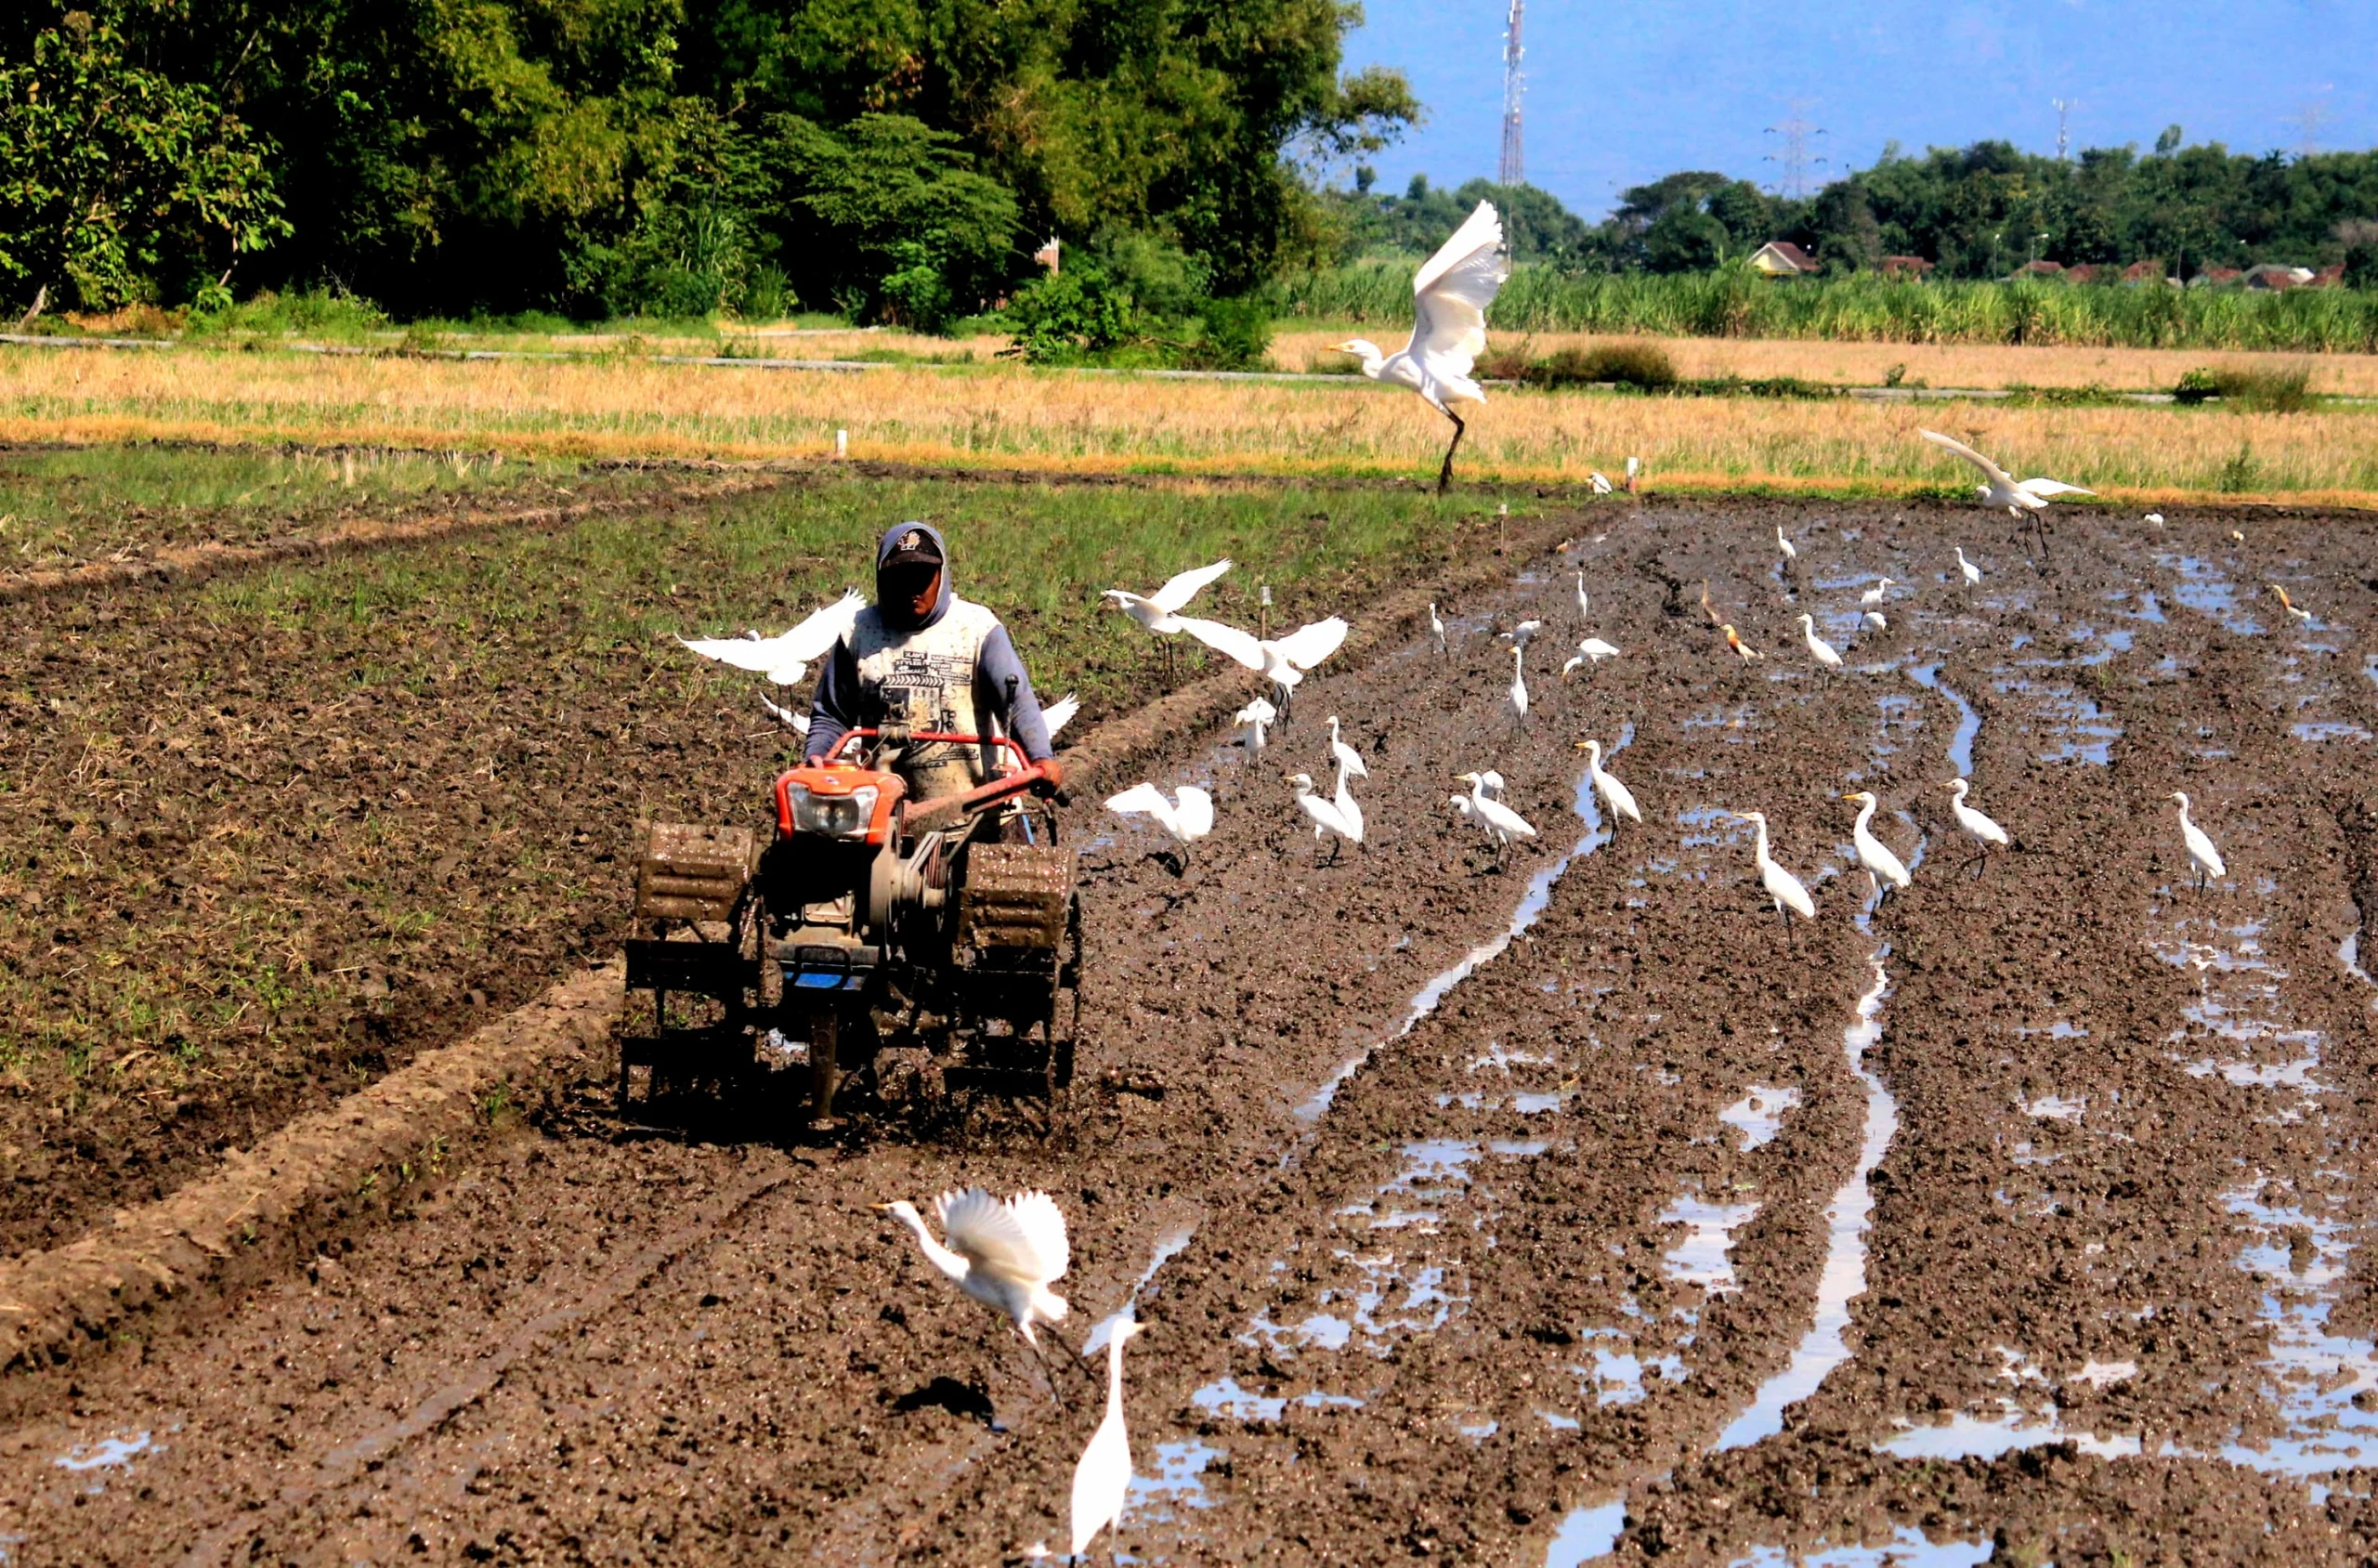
[868, 920]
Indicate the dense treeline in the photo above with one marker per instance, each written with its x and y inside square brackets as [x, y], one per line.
[1977, 211]
[894, 159]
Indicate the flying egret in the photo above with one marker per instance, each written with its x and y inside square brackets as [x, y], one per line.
[1348, 759]
[1161, 612]
[1187, 817]
[1614, 794]
[1324, 815]
[1502, 824]
[1780, 884]
[1877, 593]
[1972, 572]
[1283, 660]
[1437, 629]
[1734, 641]
[2201, 850]
[1517, 698]
[2003, 488]
[1003, 1254]
[1819, 650]
[1593, 650]
[1600, 482]
[1102, 1475]
[1983, 830]
[1872, 854]
[2290, 606]
[1057, 714]
[1584, 609]
[1449, 299]
[1257, 716]
[1784, 544]
[797, 723]
[784, 660]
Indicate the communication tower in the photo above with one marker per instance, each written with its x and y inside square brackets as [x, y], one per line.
[1512, 170]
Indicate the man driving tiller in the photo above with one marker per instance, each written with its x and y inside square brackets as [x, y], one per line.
[924, 659]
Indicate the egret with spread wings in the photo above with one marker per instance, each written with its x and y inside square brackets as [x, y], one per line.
[1449, 300]
[2018, 496]
[786, 659]
[1283, 660]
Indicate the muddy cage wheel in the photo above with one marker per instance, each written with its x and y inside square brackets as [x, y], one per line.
[1065, 998]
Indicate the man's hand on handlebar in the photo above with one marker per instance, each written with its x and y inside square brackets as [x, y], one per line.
[1053, 775]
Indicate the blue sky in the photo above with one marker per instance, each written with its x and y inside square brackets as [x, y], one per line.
[1622, 91]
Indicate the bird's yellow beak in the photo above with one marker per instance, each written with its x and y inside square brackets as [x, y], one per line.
[1343, 348]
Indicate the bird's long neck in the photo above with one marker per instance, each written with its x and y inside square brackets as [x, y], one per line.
[940, 1257]
[1593, 756]
[1865, 815]
[1957, 792]
[1115, 1377]
[1759, 842]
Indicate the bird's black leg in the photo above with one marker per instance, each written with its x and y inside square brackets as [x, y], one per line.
[1444, 474]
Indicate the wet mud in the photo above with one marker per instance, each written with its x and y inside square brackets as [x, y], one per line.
[1576, 1209]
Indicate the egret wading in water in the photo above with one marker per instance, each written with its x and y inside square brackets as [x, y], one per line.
[1616, 796]
[1877, 593]
[1593, 650]
[1518, 695]
[1872, 854]
[1324, 815]
[1449, 299]
[1781, 886]
[1003, 1254]
[1501, 823]
[1102, 1475]
[1984, 831]
[1521, 634]
[2204, 858]
[1819, 650]
[1186, 818]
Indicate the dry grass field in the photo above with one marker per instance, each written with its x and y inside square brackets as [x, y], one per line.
[1988, 366]
[1008, 416]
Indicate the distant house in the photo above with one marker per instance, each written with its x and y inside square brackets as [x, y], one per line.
[2328, 278]
[2274, 277]
[1903, 267]
[2038, 272]
[2087, 272]
[2148, 272]
[2216, 278]
[1781, 259]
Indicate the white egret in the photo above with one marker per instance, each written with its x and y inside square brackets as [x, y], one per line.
[1877, 593]
[1782, 885]
[1734, 641]
[1972, 572]
[1982, 830]
[2236, 537]
[1614, 794]
[1819, 650]
[1790, 553]
[786, 659]
[2290, 606]
[1875, 619]
[1634, 472]
[1257, 716]
[2018, 496]
[1437, 627]
[1283, 660]
[1502, 824]
[1324, 815]
[1449, 299]
[1349, 810]
[1517, 698]
[1599, 483]
[1872, 854]
[1186, 818]
[1584, 609]
[2201, 850]
[797, 723]
[1490, 784]
[1003, 1254]
[1593, 650]
[1058, 714]
[1523, 633]
[1102, 1475]
[1159, 612]
[1348, 759]
[2156, 518]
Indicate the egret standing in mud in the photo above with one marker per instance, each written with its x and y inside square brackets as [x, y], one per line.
[2207, 858]
[1185, 818]
[1449, 299]
[1872, 854]
[1984, 831]
[1819, 650]
[1257, 718]
[1437, 630]
[1348, 759]
[1970, 572]
[1103, 1476]
[1324, 815]
[1784, 544]
[1501, 823]
[1781, 886]
[1593, 650]
[1614, 794]
[1518, 695]
[1585, 606]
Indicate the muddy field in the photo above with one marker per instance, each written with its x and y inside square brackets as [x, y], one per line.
[1570, 1210]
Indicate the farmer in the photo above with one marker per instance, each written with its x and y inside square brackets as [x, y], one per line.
[922, 658]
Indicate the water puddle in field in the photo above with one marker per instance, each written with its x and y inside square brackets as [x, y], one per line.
[2253, 1042]
[2319, 731]
[1705, 1255]
[1587, 1534]
[2082, 731]
[1908, 1547]
[2322, 1384]
[1843, 1279]
[1969, 722]
[1759, 1113]
[106, 1454]
[1531, 908]
[1174, 1478]
[1970, 1436]
[2203, 588]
